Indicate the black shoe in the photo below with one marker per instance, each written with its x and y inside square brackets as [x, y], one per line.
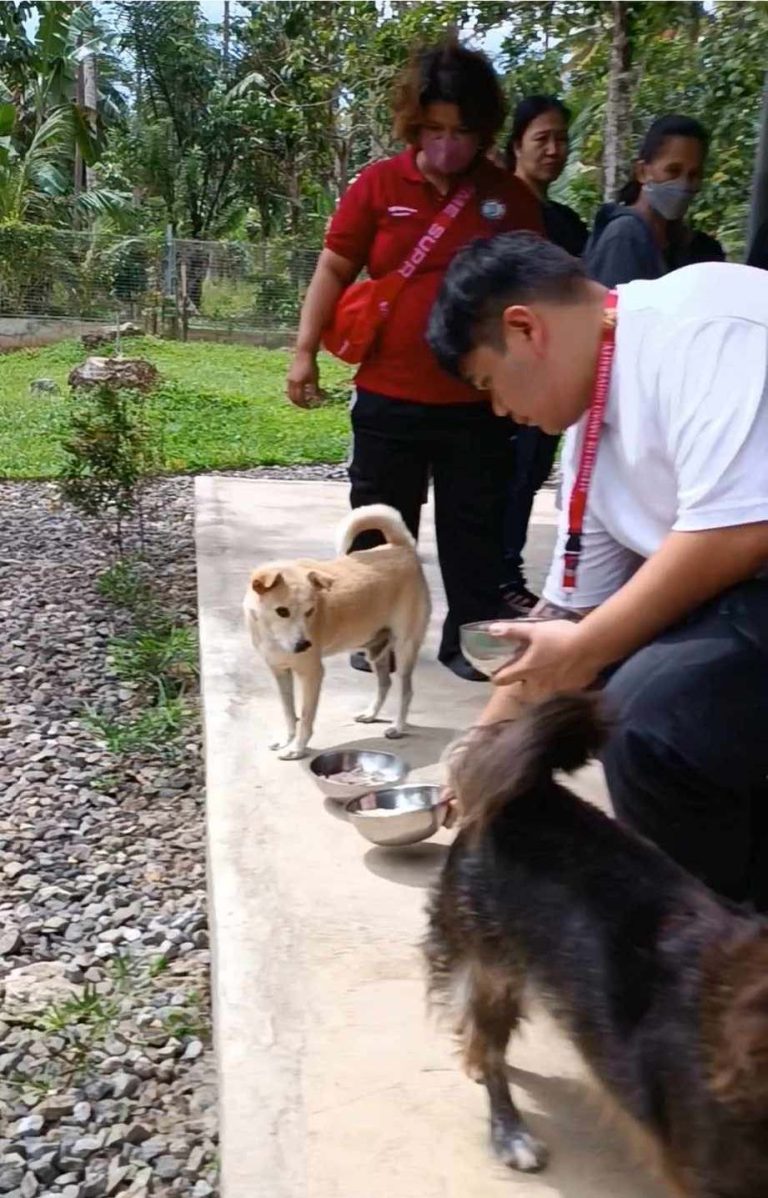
[458, 665]
[359, 661]
[518, 602]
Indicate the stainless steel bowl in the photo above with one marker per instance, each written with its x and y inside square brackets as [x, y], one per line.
[388, 767]
[400, 815]
[489, 653]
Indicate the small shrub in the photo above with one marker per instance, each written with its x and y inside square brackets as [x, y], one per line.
[110, 449]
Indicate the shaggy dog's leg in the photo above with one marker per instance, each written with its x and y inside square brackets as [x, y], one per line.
[491, 1014]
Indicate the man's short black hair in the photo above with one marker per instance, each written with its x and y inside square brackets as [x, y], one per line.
[485, 278]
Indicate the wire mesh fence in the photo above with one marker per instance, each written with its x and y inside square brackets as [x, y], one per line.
[168, 286]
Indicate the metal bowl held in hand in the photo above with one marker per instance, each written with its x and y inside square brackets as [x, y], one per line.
[344, 774]
[489, 653]
[402, 815]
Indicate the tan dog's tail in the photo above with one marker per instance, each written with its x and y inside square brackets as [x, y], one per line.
[377, 517]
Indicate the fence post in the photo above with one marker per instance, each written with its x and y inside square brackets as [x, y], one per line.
[171, 284]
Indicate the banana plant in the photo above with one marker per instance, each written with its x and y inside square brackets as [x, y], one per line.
[35, 181]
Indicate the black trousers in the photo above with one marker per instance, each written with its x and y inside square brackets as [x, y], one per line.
[687, 764]
[534, 456]
[466, 449]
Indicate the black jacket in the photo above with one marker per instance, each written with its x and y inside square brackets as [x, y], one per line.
[622, 248]
[564, 227]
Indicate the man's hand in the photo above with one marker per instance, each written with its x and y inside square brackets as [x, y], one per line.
[453, 815]
[555, 659]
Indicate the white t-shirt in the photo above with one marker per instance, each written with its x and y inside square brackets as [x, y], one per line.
[684, 446]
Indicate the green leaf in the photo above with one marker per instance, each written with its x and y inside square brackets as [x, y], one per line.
[7, 118]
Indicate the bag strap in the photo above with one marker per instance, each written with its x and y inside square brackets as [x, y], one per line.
[388, 288]
[440, 225]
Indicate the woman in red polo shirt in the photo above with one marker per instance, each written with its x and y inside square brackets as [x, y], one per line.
[409, 418]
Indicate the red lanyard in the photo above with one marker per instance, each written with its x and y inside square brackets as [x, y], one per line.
[577, 505]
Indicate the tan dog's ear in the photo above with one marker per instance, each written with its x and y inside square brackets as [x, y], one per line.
[321, 582]
[264, 580]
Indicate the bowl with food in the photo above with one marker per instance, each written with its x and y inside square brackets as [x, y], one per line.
[487, 652]
[399, 815]
[344, 774]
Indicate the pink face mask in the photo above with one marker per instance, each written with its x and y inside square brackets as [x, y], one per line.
[449, 155]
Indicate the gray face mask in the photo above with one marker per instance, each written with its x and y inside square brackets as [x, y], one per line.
[671, 199]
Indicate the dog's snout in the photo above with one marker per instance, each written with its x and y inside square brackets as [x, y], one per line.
[302, 645]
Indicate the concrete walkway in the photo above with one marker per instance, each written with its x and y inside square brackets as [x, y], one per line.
[334, 1083]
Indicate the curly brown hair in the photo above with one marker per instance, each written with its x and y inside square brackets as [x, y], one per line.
[449, 73]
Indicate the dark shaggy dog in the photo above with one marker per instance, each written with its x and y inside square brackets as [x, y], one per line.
[662, 987]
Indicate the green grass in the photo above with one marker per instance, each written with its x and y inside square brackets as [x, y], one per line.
[219, 406]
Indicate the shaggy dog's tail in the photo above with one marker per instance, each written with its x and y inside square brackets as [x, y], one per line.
[497, 763]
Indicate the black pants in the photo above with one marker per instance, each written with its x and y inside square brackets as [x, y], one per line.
[534, 456]
[687, 765]
[396, 444]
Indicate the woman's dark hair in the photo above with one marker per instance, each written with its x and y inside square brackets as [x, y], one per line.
[449, 74]
[528, 109]
[653, 144]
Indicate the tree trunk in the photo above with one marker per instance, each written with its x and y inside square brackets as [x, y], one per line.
[226, 25]
[78, 179]
[91, 105]
[294, 199]
[617, 111]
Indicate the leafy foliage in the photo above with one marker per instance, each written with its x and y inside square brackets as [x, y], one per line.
[110, 449]
[707, 61]
[253, 129]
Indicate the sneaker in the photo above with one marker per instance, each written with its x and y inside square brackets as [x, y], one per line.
[459, 666]
[518, 601]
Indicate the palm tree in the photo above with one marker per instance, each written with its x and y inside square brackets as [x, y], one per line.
[43, 126]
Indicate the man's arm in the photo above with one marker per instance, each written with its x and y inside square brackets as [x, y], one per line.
[689, 569]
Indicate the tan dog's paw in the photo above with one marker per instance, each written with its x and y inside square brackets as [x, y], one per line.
[292, 752]
[366, 717]
[276, 745]
[395, 733]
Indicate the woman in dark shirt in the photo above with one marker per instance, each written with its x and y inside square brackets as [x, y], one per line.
[644, 236]
[537, 151]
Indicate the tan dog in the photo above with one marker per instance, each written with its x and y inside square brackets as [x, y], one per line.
[299, 612]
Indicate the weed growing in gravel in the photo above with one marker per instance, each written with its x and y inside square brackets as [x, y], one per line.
[78, 1028]
[162, 658]
[156, 729]
[123, 585]
[189, 1021]
[159, 656]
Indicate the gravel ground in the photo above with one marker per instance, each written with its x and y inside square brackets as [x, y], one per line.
[107, 1082]
[106, 1074]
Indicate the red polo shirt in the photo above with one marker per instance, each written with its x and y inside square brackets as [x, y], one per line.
[378, 222]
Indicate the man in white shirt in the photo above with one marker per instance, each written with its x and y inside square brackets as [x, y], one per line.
[670, 601]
